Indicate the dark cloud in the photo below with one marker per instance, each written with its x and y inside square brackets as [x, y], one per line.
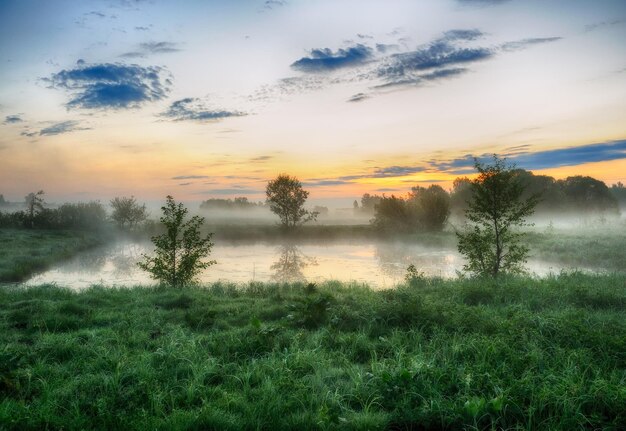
[190, 177]
[569, 156]
[185, 184]
[150, 48]
[193, 109]
[59, 128]
[12, 119]
[111, 85]
[517, 45]
[359, 97]
[462, 34]
[324, 60]
[439, 54]
[142, 28]
[436, 75]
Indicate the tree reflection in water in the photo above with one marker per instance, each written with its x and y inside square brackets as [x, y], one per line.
[291, 261]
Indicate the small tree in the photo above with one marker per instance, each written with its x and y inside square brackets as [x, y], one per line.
[127, 213]
[179, 250]
[286, 198]
[491, 245]
[34, 205]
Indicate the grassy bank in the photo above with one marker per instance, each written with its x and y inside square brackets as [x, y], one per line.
[521, 354]
[26, 251]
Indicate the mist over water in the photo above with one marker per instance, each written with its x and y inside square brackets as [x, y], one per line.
[378, 264]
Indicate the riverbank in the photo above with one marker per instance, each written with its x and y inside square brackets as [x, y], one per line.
[520, 353]
[26, 251]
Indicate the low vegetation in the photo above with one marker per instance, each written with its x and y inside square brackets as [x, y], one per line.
[516, 353]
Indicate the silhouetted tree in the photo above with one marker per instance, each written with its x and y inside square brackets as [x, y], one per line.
[491, 245]
[34, 205]
[369, 202]
[180, 250]
[460, 196]
[286, 198]
[394, 214]
[127, 212]
[587, 194]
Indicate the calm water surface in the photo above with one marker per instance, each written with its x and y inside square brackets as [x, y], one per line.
[380, 265]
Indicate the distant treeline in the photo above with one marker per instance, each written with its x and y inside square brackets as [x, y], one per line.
[90, 215]
[240, 203]
[428, 208]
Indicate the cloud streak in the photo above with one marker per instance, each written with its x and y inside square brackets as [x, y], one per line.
[325, 60]
[192, 109]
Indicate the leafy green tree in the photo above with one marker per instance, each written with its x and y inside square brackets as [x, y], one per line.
[394, 214]
[127, 213]
[433, 206]
[286, 198]
[492, 245]
[179, 251]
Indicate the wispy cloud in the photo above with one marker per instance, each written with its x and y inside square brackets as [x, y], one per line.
[193, 109]
[324, 60]
[60, 128]
[273, 4]
[603, 24]
[517, 45]
[190, 177]
[111, 85]
[359, 97]
[12, 119]
[150, 48]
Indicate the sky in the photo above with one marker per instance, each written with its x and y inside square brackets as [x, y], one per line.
[211, 99]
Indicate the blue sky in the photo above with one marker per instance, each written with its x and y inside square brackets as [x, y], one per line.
[119, 97]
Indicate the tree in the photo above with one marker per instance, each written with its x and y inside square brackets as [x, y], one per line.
[286, 198]
[492, 245]
[433, 206]
[179, 250]
[588, 195]
[34, 205]
[394, 214]
[127, 212]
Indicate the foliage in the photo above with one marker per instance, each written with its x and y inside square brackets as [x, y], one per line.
[394, 214]
[238, 203]
[34, 205]
[413, 277]
[369, 203]
[89, 215]
[180, 250]
[432, 206]
[286, 198]
[127, 213]
[492, 245]
[529, 355]
[586, 194]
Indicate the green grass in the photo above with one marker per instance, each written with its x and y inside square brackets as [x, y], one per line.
[596, 248]
[26, 251]
[464, 354]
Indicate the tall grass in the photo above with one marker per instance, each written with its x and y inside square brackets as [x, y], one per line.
[519, 353]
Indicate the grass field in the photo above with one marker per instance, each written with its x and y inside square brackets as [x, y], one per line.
[463, 354]
[25, 251]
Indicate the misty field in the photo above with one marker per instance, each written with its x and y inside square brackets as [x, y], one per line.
[518, 353]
